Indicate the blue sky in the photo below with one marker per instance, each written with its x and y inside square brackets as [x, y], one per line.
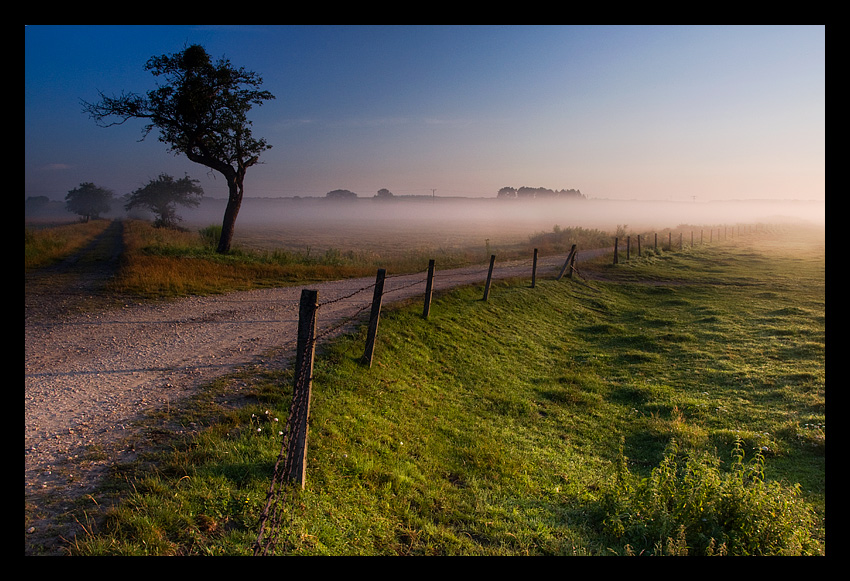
[663, 113]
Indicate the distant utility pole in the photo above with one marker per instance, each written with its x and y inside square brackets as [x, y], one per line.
[433, 193]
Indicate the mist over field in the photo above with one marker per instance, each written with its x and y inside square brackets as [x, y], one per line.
[321, 223]
[365, 223]
[439, 212]
[506, 214]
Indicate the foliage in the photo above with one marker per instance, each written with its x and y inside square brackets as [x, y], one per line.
[210, 235]
[527, 193]
[341, 195]
[162, 196]
[201, 112]
[688, 505]
[89, 201]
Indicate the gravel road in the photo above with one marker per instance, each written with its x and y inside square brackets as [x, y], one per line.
[90, 373]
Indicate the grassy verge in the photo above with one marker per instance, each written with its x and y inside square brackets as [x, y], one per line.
[46, 246]
[162, 263]
[672, 404]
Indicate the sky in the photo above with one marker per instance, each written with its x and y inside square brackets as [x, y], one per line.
[618, 112]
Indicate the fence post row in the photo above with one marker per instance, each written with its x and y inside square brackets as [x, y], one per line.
[295, 467]
[374, 316]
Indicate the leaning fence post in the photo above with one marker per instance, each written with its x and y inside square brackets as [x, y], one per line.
[374, 316]
[296, 458]
[534, 269]
[572, 262]
[567, 262]
[429, 289]
[489, 277]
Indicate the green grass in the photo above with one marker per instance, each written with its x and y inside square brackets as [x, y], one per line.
[569, 419]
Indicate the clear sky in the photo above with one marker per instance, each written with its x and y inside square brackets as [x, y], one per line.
[622, 112]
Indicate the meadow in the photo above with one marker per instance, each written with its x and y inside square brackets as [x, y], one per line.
[670, 404]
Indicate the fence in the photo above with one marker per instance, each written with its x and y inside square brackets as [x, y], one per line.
[290, 468]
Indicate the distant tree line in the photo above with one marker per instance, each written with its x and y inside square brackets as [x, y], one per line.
[383, 194]
[341, 195]
[526, 193]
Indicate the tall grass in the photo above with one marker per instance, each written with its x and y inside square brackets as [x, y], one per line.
[46, 246]
[160, 262]
[686, 415]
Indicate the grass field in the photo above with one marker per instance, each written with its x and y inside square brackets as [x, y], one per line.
[671, 404]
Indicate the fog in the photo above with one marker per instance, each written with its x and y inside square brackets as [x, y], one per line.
[532, 215]
[442, 222]
[366, 224]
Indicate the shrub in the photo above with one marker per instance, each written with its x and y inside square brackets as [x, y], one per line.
[688, 504]
[211, 235]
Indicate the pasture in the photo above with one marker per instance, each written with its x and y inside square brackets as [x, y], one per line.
[527, 424]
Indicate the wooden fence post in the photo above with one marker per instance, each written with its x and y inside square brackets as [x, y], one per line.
[572, 261]
[638, 245]
[295, 469]
[534, 269]
[628, 248]
[374, 316]
[429, 289]
[567, 262]
[489, 277]
[616, 250]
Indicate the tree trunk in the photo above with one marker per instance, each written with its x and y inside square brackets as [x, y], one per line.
[228, 225]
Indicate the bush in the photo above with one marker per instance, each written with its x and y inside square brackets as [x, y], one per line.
[688, 505]
[211, 235]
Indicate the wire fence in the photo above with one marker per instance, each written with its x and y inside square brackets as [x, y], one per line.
[289, 474]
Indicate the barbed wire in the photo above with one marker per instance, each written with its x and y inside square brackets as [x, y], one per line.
[270, 518]
[278, 494]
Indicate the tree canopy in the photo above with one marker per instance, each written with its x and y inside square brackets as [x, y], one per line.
[341, 195]
[162, 196]
[89, 201]
[200, 109]
[528, 193]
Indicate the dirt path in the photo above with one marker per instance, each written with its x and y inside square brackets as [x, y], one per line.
[92, 368]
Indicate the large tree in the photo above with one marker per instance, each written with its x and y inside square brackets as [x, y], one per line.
[201, 110]
[89, 201]
[162, 196]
